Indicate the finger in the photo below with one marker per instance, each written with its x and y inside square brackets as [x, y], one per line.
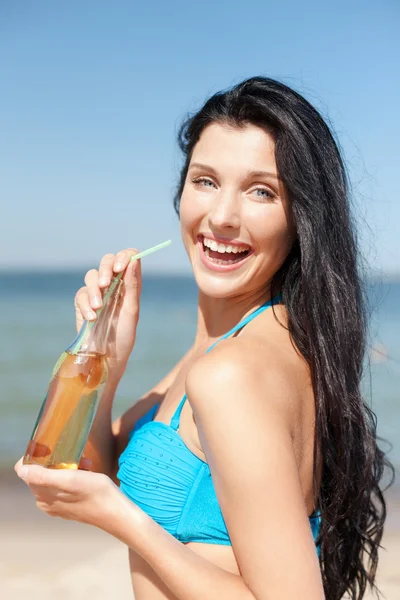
[18, 464]
[43, 493]
[122, 259]
[43, 506]
[32, 474]
[82, 305]
[133, 282]
[93, 289]
[40, 477]
[133, 273]
[106, 270]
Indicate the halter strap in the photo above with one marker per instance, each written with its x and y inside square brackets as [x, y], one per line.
[177, 415]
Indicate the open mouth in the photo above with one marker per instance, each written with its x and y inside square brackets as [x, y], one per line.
[224, 254]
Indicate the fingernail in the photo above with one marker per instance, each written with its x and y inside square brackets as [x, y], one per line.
[118, 266]
[90, 314]
[104, 280]
[96, 302]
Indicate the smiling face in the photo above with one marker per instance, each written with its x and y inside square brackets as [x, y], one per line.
[235, 218]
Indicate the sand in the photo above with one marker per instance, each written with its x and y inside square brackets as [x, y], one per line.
[43, 558]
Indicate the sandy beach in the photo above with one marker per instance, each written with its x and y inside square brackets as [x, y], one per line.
[43, 558]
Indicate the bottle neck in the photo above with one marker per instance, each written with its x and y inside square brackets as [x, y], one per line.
[93, 337]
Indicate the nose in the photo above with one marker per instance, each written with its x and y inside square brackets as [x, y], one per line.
[225, 211]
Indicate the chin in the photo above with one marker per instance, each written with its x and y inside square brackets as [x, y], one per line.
[222, 285]
[216, 287]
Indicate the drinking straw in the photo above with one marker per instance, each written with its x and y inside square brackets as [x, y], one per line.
[76, 345]
[116, 279]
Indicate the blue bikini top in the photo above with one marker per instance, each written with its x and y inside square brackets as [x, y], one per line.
[160, 474]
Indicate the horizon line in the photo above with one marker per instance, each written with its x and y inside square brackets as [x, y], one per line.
[373, 274]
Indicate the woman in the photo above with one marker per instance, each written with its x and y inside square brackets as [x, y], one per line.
[265, 482]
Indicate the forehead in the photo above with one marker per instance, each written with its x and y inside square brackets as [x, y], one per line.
[225, 146]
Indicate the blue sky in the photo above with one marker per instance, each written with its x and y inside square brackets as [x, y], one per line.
[92, 94]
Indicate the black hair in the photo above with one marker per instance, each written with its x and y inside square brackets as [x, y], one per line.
[321, 288]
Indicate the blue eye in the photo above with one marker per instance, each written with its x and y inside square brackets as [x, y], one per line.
[264, 194]
[202, 181]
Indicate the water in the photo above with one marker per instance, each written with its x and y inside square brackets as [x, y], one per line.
[37, 323]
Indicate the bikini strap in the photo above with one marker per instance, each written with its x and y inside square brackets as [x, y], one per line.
[177, 415]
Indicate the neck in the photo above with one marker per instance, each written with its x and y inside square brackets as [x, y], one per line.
[216, 316]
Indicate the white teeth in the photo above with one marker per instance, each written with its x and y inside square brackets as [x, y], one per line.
[213, 246]
[222, 248]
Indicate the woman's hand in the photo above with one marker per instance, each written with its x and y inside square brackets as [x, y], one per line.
[82, 496]
[89, 298]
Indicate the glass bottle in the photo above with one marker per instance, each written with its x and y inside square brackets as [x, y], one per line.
[77, 382]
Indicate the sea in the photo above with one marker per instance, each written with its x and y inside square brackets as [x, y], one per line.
[37, 323]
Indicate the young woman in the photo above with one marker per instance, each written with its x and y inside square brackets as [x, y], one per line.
[252, 470]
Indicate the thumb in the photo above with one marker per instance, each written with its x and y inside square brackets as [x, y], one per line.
[133, 281]
[32, 474]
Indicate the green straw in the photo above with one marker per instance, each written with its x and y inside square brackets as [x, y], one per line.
[116, 279]
[112, 287]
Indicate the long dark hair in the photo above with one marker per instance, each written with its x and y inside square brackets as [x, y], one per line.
[321, 288]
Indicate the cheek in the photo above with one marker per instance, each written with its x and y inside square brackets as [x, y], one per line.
[191, 212]
[273, 234]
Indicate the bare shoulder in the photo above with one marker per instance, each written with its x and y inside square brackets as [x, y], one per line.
[245, 395]
[261, 366]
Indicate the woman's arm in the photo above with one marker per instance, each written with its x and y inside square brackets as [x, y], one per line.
[244, 419]
[186, 574]
[106, 441]
[93, 499]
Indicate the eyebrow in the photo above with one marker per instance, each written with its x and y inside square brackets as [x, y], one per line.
[250, 174]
